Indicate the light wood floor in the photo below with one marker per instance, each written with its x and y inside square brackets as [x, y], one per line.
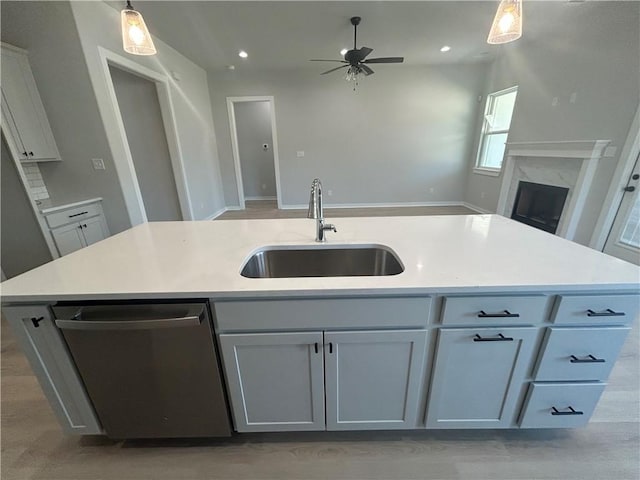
[34, 447]
[258, 209]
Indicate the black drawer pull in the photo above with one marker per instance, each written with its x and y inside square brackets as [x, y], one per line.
[555, 411]
[499, 338]
[316, 345]
[589, 359]
[503, 314]
[36, 321]
[607, 313]
[78, 214]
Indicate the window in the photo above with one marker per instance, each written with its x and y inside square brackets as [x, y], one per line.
[495, 129]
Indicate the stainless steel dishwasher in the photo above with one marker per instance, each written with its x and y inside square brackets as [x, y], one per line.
[150, 370]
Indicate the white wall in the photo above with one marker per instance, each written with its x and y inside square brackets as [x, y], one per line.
[99, 26]
[404, 131]
[596, 56]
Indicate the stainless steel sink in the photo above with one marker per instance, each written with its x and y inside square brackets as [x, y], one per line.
[338, 261]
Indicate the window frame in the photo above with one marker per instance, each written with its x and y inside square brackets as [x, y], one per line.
[484, 134]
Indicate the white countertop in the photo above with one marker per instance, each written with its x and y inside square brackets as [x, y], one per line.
[49, 206]
[441, 254]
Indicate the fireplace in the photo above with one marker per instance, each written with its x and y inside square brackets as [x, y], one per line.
[539, 205]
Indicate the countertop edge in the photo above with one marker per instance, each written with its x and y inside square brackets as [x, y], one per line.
[619, 288]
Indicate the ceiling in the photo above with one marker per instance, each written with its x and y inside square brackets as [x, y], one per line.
[285, 35]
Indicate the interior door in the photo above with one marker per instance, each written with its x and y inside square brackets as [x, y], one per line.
[624, 238]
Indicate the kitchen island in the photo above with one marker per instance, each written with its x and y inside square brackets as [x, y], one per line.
[491, 324]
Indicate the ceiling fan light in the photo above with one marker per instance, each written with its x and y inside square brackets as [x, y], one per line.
[136, 38]
[343, 52]
[507, 24]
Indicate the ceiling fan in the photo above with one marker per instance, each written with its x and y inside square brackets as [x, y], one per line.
[355, 60]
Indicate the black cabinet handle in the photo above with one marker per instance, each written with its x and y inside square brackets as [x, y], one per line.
[503, 314]
[606, 313]
[499, 338]
[589, 359]
[316, 345]
[84, 225]
[630, 188]
[77, 214]
[80, 226]
[25, 154]
[36, 321]
[555, 411]
[330, 347]
[31, 154]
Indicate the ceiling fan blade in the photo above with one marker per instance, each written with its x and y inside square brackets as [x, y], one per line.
[318, 60]
[334, 69]
[385, 60]
[364, 51]
[366, 69]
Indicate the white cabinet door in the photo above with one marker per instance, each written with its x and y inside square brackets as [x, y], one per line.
[68, 238]
[48, 355]
[25, 109]
[478, 375]
[275, 380]
[373, 379]
[94, 230]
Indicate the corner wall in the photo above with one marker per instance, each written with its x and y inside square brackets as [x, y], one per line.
[597, 56]
[405, 131]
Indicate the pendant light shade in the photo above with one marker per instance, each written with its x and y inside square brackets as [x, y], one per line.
[136, 39]
[507, 24]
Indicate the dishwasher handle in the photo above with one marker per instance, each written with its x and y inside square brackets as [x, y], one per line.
[193, 318]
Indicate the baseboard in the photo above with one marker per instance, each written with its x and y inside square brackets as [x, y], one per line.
[220, 212]
[475, 208]
[379, 205]
[259, 198]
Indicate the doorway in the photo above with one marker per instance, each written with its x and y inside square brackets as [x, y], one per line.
[142, 118]
[624, 238]
[255, 150]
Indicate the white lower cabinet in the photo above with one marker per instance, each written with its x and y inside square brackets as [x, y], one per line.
[68, 238]
[560, 405]
[77, 227]
[275, 380]
[373, 379]
[49, 357]
[278, 381]
[477, 376]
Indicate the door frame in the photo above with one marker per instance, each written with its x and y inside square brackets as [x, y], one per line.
[122, 157]
[231, 101]
[627, 160]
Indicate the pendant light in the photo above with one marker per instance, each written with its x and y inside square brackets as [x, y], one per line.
[507, 24]
[136, 38]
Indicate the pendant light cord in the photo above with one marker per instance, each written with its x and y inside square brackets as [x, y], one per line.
[129, 7]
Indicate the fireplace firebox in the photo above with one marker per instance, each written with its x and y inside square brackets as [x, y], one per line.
[539, 205]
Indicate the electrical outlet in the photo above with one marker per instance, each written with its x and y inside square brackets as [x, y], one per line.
[573, 97]
[264, 186]
[98, 163]
[554, 102]
[330, 192]
[300, 153]
[483, 194]
[431, 190]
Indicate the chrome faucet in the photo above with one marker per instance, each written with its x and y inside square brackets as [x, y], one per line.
[315, 211]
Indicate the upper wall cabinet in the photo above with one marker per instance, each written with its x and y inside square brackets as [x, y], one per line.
[24, 120]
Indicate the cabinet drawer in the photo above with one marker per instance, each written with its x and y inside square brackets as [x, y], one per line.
[560, 405]
[73, 215]
[591, 309]
[336, 313]
[580, 353]
[494, 310]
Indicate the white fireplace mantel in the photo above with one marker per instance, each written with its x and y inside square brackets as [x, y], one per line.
[589, 151]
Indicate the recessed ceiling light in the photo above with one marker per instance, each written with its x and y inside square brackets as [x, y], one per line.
[446, 48]
[343, 52]
[243, 54]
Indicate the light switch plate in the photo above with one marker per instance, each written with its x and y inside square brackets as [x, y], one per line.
[98, 163]
[300, 153]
